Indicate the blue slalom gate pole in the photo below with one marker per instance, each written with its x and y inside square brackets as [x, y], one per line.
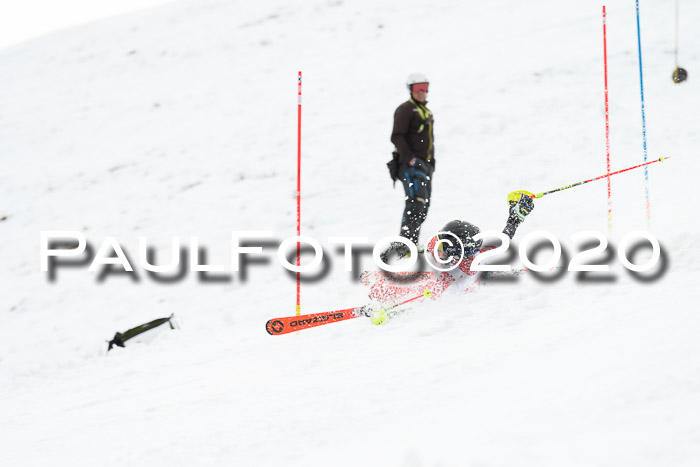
[644, 122]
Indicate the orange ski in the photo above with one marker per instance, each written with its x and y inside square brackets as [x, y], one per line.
[276, 326]
[289, 324]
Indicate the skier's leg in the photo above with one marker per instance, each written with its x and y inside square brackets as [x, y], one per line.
[417, 189]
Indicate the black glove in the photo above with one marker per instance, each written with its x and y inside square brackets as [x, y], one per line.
[517, 212]
[521, 209]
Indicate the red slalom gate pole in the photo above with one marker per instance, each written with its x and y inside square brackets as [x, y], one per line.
[298, 310]
[607, 121]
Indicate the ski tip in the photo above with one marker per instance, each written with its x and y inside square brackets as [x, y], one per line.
[274, 327]
[427, 293]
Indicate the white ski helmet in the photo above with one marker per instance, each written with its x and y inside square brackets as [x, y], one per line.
[415, 78]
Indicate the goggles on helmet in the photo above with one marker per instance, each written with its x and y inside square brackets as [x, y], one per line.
[456, 250]
[419, 87]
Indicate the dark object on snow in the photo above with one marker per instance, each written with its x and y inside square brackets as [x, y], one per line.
[121, 337]
[393, 165]
[679, 75]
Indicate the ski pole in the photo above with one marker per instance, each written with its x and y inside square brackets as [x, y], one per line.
[381, 315]
[515, 196]
[426, 294]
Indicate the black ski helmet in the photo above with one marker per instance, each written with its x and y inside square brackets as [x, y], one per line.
[465, 232]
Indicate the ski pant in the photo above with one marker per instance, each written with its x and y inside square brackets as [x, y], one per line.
[417, 187]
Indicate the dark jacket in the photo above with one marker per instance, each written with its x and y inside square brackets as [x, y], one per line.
[413, 135]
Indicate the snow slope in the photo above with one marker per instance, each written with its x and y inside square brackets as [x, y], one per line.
[181, 121]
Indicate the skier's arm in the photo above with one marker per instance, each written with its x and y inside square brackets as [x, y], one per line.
[517, 213]
[402, 122]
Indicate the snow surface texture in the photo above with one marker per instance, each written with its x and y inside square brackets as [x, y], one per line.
[181, 121]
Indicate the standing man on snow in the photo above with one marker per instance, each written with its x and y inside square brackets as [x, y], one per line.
[413, 137]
